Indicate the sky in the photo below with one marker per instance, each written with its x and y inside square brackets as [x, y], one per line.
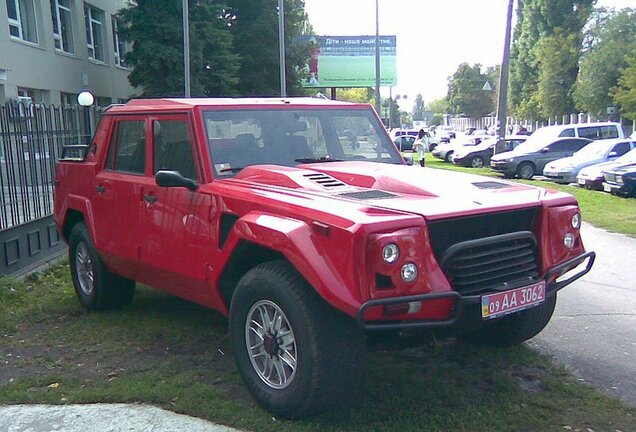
[433, 37]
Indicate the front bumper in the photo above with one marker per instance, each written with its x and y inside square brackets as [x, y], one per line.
[503, 167]
[463, 302]
[590, 183]
[616, 189]
[560, 176]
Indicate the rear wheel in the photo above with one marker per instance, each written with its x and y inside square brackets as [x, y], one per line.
[95, 286]
[514, 329]
[526, 170]
[477, 162]
[297, 355]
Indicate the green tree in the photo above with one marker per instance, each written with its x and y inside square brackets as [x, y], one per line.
[610, 37]
[156, 57]
[466, 94]
[256, 39]
[624, 93]
[438, 105]
[559, 67]
[358, 95]
[536, 21]
[418, 108]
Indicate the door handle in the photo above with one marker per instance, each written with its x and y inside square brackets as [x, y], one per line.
[150, 199]
[100, 189]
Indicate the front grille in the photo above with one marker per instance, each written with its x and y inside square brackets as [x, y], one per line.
[474, 251]
[499, 262]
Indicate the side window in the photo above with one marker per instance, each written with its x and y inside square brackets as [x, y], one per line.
[592, 133]
[173, 147]
[567, 133]
[559, 146]
[609, 132]
[621, 148]
[575, 145]
[129, 147]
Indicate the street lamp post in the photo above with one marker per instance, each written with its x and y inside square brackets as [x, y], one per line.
[186, 48]
[377, 58]
[281, 46]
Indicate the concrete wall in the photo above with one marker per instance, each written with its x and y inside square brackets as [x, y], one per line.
[40, 66]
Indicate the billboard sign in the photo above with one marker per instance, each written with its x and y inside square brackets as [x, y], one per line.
[349, 61]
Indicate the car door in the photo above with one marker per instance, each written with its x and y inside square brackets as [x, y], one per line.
[177, 235]
[116, 204]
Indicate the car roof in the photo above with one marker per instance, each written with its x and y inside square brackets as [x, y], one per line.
[172, 104]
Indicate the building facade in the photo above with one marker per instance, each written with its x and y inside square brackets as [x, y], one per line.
[52, 50]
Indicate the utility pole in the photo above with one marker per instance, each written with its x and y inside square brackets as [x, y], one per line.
[186, 48]
[281, 46]
[377, 58]
[503, 82]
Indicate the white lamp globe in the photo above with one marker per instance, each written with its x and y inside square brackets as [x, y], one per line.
[85, 98]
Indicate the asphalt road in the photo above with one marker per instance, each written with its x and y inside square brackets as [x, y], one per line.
[593, 331]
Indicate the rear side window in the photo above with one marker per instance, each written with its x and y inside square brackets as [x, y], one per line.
[127, 152]
[173, 147]
[567, 133]
[590, 132]
[575, 145]
[609, 132]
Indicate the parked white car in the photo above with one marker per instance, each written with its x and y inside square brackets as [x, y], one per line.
[592, 176]
[565, 170]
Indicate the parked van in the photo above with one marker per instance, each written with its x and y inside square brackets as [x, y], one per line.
[593, 131]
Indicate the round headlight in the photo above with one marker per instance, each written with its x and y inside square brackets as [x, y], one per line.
[576, 221]
[568, 240]
[409, 272]
[390, 253]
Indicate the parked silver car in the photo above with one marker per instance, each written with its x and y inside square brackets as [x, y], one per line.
[592, 176]
[565, 170]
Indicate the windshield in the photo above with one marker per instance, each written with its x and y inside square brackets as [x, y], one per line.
[289, 137]
[629, 157]
[536, 141]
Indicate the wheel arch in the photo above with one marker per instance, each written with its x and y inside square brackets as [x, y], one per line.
[78, 209]
[527, 162]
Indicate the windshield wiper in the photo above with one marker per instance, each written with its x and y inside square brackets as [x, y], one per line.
[317, 160]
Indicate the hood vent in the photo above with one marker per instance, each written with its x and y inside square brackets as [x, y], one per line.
[491, 185]
[324, 180]
[368, 194]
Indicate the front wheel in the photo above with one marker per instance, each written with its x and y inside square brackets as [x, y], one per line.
[526, 171]
[297, 355]
[449, 156]
[514, 329]
[477, 162]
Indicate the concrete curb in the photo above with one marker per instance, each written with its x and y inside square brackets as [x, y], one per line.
[100, 417]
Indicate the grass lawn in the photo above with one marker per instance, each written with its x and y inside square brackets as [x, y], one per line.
[598, 208]
[173, 354]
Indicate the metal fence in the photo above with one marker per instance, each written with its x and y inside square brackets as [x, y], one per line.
[31, 141]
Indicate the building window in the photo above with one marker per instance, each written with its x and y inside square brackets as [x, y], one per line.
[62, 25]
[120, 46]
[68, 99]
[21, 15]
[94, 32]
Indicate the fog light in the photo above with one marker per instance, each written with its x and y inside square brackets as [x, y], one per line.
[576, 221]
[409, 272]
[390, 253]
[568, 240]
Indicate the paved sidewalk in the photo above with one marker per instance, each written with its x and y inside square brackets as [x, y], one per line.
[100, 417]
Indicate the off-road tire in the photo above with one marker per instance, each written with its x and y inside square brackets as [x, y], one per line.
[97, 288]
[514, 329]
[526, 170]
[477, 162]
[329, 346]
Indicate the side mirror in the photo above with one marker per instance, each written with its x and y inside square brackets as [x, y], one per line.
[545, 150]
[612, 154]
[165, 178]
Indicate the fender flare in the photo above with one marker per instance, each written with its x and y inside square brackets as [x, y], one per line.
[295, 240]
[82, 205]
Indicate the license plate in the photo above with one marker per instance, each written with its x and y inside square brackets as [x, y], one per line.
[496, 305]
[607, 188]
[581, 182]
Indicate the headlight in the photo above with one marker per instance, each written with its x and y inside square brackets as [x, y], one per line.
[576, 221]
[568, 240]
[619, 179]
[390, 253]
[409, 272]
[510, 160]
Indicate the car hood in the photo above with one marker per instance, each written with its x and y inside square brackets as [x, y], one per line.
[624, 169]
[428, 192]
[573, 163]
